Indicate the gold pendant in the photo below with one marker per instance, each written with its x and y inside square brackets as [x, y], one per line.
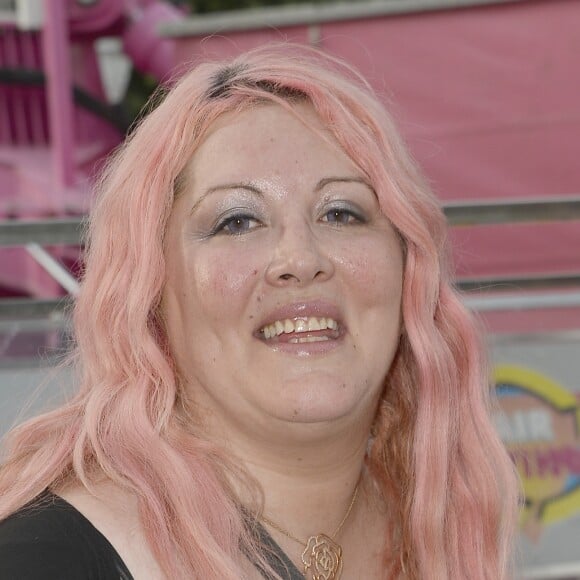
[322, 558]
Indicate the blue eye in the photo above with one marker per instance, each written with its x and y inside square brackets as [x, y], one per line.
[236, 225]
[341, 217]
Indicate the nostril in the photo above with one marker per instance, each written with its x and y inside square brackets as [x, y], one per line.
[286, 276]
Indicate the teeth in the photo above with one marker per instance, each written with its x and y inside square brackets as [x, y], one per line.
[308, 339]
[309, 324]
[301, 326]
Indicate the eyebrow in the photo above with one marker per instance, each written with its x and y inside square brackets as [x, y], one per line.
[224, 187]
[257, 191]
[327, 180]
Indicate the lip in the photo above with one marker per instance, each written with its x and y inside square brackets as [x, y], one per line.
[312, 308]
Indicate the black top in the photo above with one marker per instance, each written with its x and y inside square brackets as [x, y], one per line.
[49, 539]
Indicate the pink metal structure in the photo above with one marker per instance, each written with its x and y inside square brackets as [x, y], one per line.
[50, 145]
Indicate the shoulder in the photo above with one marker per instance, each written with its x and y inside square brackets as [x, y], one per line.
[114, 512]
[49, 538]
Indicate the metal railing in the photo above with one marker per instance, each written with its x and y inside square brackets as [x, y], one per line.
[513, 211]
[310, 14]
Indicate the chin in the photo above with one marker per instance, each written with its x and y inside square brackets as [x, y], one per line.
[319, 402]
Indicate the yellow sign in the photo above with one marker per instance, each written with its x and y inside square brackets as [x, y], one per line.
[540, 424]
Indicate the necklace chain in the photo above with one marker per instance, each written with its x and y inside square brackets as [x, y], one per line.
[339, 527]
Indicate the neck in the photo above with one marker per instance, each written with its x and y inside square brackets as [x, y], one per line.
[308, 485]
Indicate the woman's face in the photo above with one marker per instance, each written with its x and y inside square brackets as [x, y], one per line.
[284, 278]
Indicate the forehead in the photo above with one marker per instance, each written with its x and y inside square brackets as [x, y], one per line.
[267, 140]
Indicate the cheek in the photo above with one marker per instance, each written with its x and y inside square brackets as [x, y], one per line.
[206, 289]
[375, 269]
[223, 281]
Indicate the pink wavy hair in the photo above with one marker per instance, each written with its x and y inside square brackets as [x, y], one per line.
[435, 455]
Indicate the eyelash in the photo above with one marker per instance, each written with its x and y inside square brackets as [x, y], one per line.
[224, 223]
[344, 211]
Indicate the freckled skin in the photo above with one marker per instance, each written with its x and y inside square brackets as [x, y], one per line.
[221, 286]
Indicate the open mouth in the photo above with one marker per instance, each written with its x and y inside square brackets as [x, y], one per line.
[301, 330]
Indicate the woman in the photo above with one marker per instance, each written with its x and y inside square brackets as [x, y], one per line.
[277, 377]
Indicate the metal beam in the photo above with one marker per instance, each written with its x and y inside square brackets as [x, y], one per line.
[59, 95]
[22, 308]
[42, 232]
[517, 284]
[54, 268]
[510, 302]
[33, 325]
[551, 571]
[307, 14]
[512, 211]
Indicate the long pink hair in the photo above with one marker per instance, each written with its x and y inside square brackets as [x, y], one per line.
[435, 455]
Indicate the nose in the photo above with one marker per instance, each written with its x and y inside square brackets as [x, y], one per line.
[298, 258]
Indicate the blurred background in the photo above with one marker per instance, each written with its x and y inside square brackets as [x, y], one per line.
[486, 94]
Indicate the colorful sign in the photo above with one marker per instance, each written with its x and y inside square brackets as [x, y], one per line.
[540, 425]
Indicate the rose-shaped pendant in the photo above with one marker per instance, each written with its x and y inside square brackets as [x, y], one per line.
[322, 558]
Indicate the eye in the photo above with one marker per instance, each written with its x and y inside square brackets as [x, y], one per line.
[341, 216]
[236, 225]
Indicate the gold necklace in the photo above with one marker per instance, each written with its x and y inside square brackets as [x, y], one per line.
[322, 556]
